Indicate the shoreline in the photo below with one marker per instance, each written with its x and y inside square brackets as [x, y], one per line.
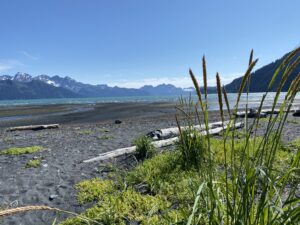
[81, 135]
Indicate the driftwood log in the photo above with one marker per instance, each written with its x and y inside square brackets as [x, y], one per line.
[174, 131]
[157, 144]
[34, 127]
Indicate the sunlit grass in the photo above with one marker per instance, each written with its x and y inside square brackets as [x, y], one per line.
[21, 150]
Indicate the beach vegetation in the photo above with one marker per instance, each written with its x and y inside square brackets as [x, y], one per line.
[85, 132]
[293, 121]
[33, 163]
[193, 148]
[104, 137]
[253, 179]
[21, 150]
[103, 130]
[144, 148]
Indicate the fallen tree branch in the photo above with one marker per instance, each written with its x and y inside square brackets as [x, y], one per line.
[157, 144]
[34, 127]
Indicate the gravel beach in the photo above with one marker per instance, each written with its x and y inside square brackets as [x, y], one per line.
[85, 131]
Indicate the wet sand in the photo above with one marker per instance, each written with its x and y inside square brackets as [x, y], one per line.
[82, 135]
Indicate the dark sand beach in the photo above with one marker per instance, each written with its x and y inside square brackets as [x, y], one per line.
[85, 132]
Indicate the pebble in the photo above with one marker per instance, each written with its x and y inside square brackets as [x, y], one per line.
[118, 121]
[52, 197]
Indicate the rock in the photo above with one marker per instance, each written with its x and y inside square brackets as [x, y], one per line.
[297, 113]
[52, 197]
[118, 121]
[45, 165]
[155, 135]
[142, 188]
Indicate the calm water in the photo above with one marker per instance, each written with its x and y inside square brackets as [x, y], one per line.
[254, 100]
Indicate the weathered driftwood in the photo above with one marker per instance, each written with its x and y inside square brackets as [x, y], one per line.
[34, 127]
[157, 144]
[174, 131]
[269, 111]
[251, 113]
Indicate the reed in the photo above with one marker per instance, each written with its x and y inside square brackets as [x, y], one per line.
[251, 191]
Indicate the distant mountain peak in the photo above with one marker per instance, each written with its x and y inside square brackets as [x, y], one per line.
[85, 90]
[22, 77]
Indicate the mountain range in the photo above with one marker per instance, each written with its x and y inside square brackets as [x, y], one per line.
[25, 86]
[261, 78]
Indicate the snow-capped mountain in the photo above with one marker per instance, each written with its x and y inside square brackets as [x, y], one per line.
[85, 90]
[46, 79]
[5, 77]
[22, 77]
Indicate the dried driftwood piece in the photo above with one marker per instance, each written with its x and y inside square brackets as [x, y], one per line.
[174, 131]
[34, 127]
[157, 144]
[251, 113]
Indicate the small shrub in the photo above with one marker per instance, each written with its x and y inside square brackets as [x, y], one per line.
[144, 148]
[21, 150]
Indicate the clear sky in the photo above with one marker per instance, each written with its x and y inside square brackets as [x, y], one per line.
[135, 42]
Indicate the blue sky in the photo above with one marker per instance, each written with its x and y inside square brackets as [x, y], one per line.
[135, 42]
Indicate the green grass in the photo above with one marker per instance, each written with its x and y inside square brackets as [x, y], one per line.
[193, 149]
[85, 132]
[33, 163]
[21, 150]
[104, 137]
[144, 148]
[171, 188]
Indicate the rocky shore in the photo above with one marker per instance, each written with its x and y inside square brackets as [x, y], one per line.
[82, 135]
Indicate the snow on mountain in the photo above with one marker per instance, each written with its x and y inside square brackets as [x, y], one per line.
[23, 77]
[47, 79]
[5, 77]
[100, 90]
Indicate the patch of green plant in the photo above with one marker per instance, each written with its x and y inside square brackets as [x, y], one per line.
[104, 130]
[193, 148]
[104, 137]
[163, 175]
[85, 132]
[293, 121]
[94, 189]
[21, 150]
[144, 148]
[165, 179]
[33, 163]
[296, 143]
[128, 205]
